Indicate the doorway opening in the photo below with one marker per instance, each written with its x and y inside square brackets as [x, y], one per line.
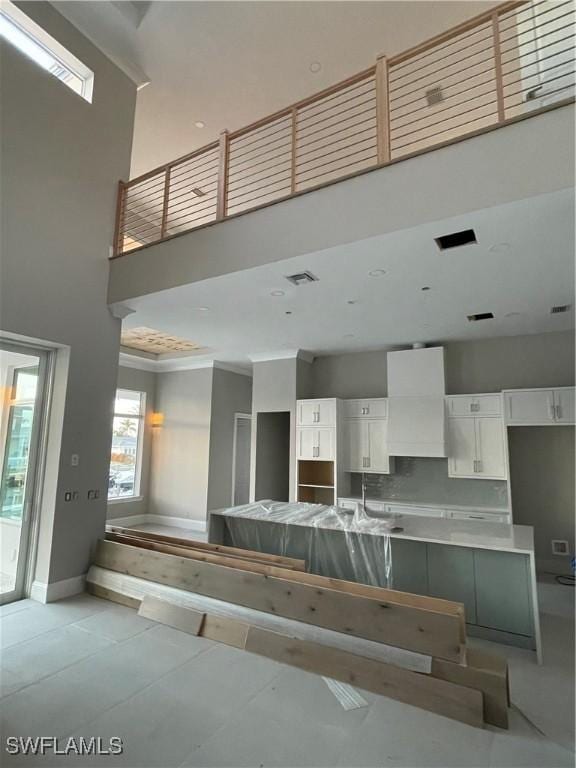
[241, 459]
[23, 374]
[273, 456]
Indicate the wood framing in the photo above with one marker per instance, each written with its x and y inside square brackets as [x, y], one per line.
[414, 628]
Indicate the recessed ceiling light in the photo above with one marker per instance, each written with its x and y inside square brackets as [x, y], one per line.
[315, 66]
[499, 248]
[352, 301]
[376, 272]
[277, 293]
[200, 124]
[288, 313]
[425, 288]
[201, 309]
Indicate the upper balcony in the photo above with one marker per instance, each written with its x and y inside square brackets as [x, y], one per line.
[497, 69]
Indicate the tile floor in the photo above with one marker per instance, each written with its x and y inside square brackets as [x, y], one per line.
[87, 667]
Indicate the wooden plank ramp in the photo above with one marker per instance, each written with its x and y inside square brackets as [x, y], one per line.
[415, 628]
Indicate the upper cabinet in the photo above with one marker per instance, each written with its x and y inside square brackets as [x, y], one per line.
[477, 448]
[310, 413]
[537, 407]
[474, 405]
[375, 408]
[365, 446]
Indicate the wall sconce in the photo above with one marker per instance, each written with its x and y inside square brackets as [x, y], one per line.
[157, 419]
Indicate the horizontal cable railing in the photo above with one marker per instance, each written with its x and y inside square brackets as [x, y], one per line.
[499, 66]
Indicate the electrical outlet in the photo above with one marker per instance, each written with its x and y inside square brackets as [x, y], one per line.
[560, 547]
[74, 460]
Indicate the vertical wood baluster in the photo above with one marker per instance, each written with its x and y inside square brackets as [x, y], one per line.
[294, 159]
[498, 67]
[221, 201]
[164, 224]
[119, 227]
[382, 109]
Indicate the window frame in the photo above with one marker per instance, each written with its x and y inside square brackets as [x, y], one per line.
[141, 418]
[41, 42]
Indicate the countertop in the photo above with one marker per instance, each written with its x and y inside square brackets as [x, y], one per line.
[477, 534]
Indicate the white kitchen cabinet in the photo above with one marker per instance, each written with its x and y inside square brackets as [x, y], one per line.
[474, 405]
[315, 443]
[316, 413]
[539, 407]
[365, 447]
[374, 408]
[477, 448]
[487, 517]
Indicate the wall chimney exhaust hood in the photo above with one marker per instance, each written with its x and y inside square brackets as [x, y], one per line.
[416, 415]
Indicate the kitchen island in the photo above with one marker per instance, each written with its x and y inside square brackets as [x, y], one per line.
[489, 567]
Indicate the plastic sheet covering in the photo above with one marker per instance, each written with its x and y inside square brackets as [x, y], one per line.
[334, 542]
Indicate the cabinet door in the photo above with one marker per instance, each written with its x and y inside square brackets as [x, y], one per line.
[325, 443]
[411, 509]
[365, 409]
[530, 406]
[307, 442]
[503, 598]
[461, 447]
[326, 410]
[354, 445]
[308, 412]
[451, 576]
[378, 459]
[409, 566]
[490, 448]
[564, 406]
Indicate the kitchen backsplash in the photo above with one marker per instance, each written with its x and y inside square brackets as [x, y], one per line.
[426, 481]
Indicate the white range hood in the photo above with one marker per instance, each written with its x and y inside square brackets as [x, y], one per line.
[416, 415]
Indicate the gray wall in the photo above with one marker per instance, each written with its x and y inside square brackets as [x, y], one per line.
[61, 161]
[274, 388]
[231, 394]
[542, 465]
[141, 381]
[180, 451]
[273, 456]
[488, 365]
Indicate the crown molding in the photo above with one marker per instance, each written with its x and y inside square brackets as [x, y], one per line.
[282, 354]
[177, 364]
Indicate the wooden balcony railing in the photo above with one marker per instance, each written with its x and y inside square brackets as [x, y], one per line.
[496, 67]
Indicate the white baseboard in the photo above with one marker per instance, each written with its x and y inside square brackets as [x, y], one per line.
[176, 522]
[57, 590]
[128, 520]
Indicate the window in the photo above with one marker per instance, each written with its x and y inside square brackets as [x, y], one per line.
[42, 48]
[127, 434]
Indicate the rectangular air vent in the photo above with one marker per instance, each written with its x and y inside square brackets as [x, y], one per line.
[481, 316]
[434, 96]
[560, 308]
[560, 547]
[456, 239]
[301, 278]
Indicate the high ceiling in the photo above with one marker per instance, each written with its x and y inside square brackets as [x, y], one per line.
[522, 266]
[227, 64]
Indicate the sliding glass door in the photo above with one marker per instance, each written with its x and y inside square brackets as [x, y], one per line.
[22, 387]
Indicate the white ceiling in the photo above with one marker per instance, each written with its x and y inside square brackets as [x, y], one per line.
[230, 63]
[519, 284]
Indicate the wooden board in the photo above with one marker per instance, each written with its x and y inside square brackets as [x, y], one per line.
[177, 616]
[248, 554]
[113, 595]
[434, 695]
[483, 672]
[437, 634]
[196, 554]
[223, 630]
[365, 590]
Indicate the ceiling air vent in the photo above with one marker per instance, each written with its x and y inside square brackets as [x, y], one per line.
[560, 308]
[301, 278]
[434, 96]
[481, 316]
[456, 239]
